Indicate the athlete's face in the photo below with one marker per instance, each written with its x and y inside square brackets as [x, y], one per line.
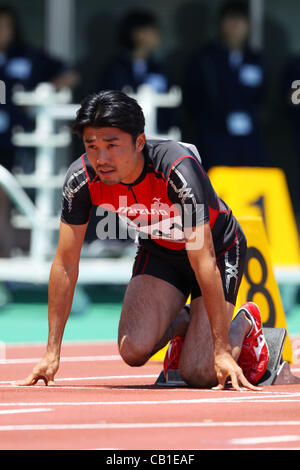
[113, 154]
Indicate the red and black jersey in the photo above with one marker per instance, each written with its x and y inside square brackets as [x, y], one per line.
[172, 193]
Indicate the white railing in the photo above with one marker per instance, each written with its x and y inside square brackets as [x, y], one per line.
[150, 101]
[50, 107]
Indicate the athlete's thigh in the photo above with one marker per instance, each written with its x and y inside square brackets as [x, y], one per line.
[197, 357]
[150, 304]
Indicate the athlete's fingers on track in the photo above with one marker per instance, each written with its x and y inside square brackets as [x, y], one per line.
[247, 384]
[32, 379]
[235, 382]
[223, 384]
[218, 387]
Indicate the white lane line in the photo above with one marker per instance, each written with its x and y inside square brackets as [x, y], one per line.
[263, 440]
[60, 387]
[109, 377]
[269, 448]
[29, 360]
[106, 377]
[270, 399]
[237, 399]
[25, 410]
[77, 387]
[265, 397]
[250, 394]
[102, 425]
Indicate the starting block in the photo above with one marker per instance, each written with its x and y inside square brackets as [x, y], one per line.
[277, 373]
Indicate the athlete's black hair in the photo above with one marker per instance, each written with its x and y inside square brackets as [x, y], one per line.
[110, 108]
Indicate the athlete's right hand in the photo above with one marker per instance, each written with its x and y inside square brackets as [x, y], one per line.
[44, 370]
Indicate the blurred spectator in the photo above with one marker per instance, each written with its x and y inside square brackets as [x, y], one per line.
[26, 66]
[291, 94]
[22, 64]
[224, 93]
[135, 63]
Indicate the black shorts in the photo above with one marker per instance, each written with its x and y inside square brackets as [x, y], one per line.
[175, 267]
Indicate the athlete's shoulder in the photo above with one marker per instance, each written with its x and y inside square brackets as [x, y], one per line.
[164, 154]
[80, 170]
[76, 200]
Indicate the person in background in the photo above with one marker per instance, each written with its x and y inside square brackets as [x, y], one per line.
[224, 93]
[22, 65]
[135, 63]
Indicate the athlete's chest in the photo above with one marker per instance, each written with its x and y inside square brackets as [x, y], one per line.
[150, 196]
[145, 206]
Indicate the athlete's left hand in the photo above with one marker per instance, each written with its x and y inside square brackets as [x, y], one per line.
[226, 367]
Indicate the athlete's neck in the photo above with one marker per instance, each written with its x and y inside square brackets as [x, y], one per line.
[138, 170]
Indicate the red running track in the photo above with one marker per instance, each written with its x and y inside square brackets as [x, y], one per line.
[99, 402]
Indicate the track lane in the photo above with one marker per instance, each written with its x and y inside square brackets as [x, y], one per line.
[106, 404]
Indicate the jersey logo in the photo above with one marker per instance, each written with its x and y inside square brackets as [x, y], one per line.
[69, 192]
[231, 270]
[260, 344]
[183, 192]
[167, 229]
[156, 200]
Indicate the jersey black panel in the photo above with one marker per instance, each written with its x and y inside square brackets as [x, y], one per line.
[187, 187]
[164, 153]
[76, 200]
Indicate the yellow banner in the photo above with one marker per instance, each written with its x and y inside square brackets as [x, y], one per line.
[262, 192]
[258, 284]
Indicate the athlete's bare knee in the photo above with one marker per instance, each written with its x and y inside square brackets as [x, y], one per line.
[133, 353]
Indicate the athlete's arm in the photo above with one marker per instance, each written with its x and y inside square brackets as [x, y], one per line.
[189, 187]
[200, 250]
[75, 213]
[63, 278]
[62, 282]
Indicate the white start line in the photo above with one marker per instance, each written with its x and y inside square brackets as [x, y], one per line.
[104, 425]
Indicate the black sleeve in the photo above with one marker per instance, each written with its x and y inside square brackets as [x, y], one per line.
[76, 200]
[187, 189]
